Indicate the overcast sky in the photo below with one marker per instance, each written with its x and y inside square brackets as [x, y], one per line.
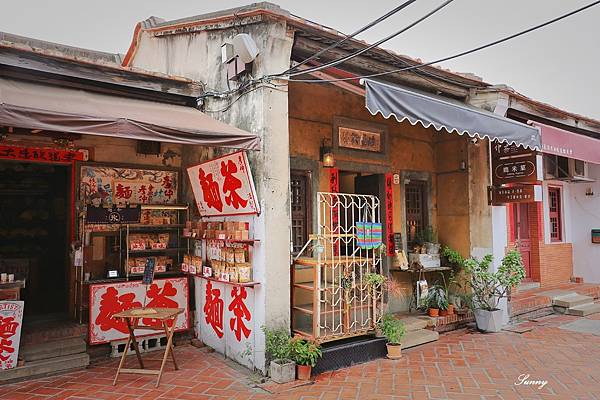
[557, 64]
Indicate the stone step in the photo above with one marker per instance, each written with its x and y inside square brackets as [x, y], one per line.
[524, 286]
[414, 323]
[55, 348]
[572, 300]
[418, 337]
[45, 367]
[584, 309]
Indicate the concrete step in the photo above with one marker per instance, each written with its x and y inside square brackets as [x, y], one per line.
[45, 367]
[55, 348]
[584, 309]
[415, 322]
[418, 337]
[524, 286]
[572, 300]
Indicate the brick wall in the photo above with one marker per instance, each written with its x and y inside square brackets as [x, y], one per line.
[556, 263]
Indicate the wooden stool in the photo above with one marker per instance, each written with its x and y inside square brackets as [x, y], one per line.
[133, 317]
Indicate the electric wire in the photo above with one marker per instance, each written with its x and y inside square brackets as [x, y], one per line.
[352, 35]
[376, 44]
[461, 54]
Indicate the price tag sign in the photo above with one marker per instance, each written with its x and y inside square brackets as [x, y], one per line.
[149, 271]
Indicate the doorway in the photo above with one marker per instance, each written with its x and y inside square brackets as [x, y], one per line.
[34, 229]
[522, 234]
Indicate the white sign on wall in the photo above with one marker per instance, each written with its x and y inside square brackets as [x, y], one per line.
[11, 320]
[225, 318]
[109, 299]
[224, 186]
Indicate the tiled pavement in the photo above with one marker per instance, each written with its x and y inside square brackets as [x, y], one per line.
[461, 365]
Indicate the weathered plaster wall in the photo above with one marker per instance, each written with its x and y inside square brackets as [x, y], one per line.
[264, 112]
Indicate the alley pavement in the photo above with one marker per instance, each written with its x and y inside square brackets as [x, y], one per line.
[553, 357]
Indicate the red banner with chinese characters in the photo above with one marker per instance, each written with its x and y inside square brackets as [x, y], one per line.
[11, 320]
[39, 154]
[224, 186]
[389, 214]
[334, 187]
[111, 298]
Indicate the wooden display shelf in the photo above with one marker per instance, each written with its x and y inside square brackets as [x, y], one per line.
[144, 228]
[313, 262]
[241, 241]
[246, 284]
[153, 251]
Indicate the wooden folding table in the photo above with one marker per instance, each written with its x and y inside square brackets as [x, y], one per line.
[133, 318]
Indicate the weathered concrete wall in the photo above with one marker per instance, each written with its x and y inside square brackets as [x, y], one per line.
[264, 112]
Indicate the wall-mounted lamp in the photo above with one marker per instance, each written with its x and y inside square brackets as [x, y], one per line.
[327, 156]
[589, 191]
[463, 165]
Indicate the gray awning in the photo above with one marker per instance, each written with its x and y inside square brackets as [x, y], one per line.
[443, 113]
[52, 108]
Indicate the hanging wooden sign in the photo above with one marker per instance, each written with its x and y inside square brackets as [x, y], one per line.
[40, 154]
[114, 215]
[514, 194]
[513, 164]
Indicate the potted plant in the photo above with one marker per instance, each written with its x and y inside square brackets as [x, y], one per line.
[393, 329]
[282, 368]
[490, 287]
[436, 301]
[306, 353]
[428, 238]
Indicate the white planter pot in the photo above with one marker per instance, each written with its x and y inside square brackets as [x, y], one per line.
[282, 371]
[432, 248]
[488, 321]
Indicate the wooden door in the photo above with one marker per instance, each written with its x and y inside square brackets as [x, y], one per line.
[415, 198]
[300, 204]
[522, 234]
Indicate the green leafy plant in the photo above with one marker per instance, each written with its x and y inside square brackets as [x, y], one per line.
[374, 280]
[455, 260]
[427, 235]
[277, 343]
[490, 287]
[393, 329]
[436, 298]
[305, 352]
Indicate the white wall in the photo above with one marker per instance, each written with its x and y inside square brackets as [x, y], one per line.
[585, 216]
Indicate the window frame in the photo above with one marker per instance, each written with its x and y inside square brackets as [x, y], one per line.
[558, 213]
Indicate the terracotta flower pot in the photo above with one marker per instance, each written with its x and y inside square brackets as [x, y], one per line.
[303, 372]
[450, 309]
[394, 351]
[443, 313]
[433, 312]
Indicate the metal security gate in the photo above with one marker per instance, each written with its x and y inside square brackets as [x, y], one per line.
[331, 298]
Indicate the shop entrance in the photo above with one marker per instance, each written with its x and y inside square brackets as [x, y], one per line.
[34, 228]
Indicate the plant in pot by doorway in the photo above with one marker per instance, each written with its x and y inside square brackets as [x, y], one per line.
[428, 240]
[282, 368]
[490, 287]
[436, 301]
[305, 353]
[393, 329]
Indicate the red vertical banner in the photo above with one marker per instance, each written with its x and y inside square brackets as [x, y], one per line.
[389, 214]
[334, 187]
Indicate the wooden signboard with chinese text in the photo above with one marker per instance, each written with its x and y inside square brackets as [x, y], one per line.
[359, 139]
[224, 186]
[515, 194]
[596, 236]
[11, 321]
[513, 164]
[111, 298]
